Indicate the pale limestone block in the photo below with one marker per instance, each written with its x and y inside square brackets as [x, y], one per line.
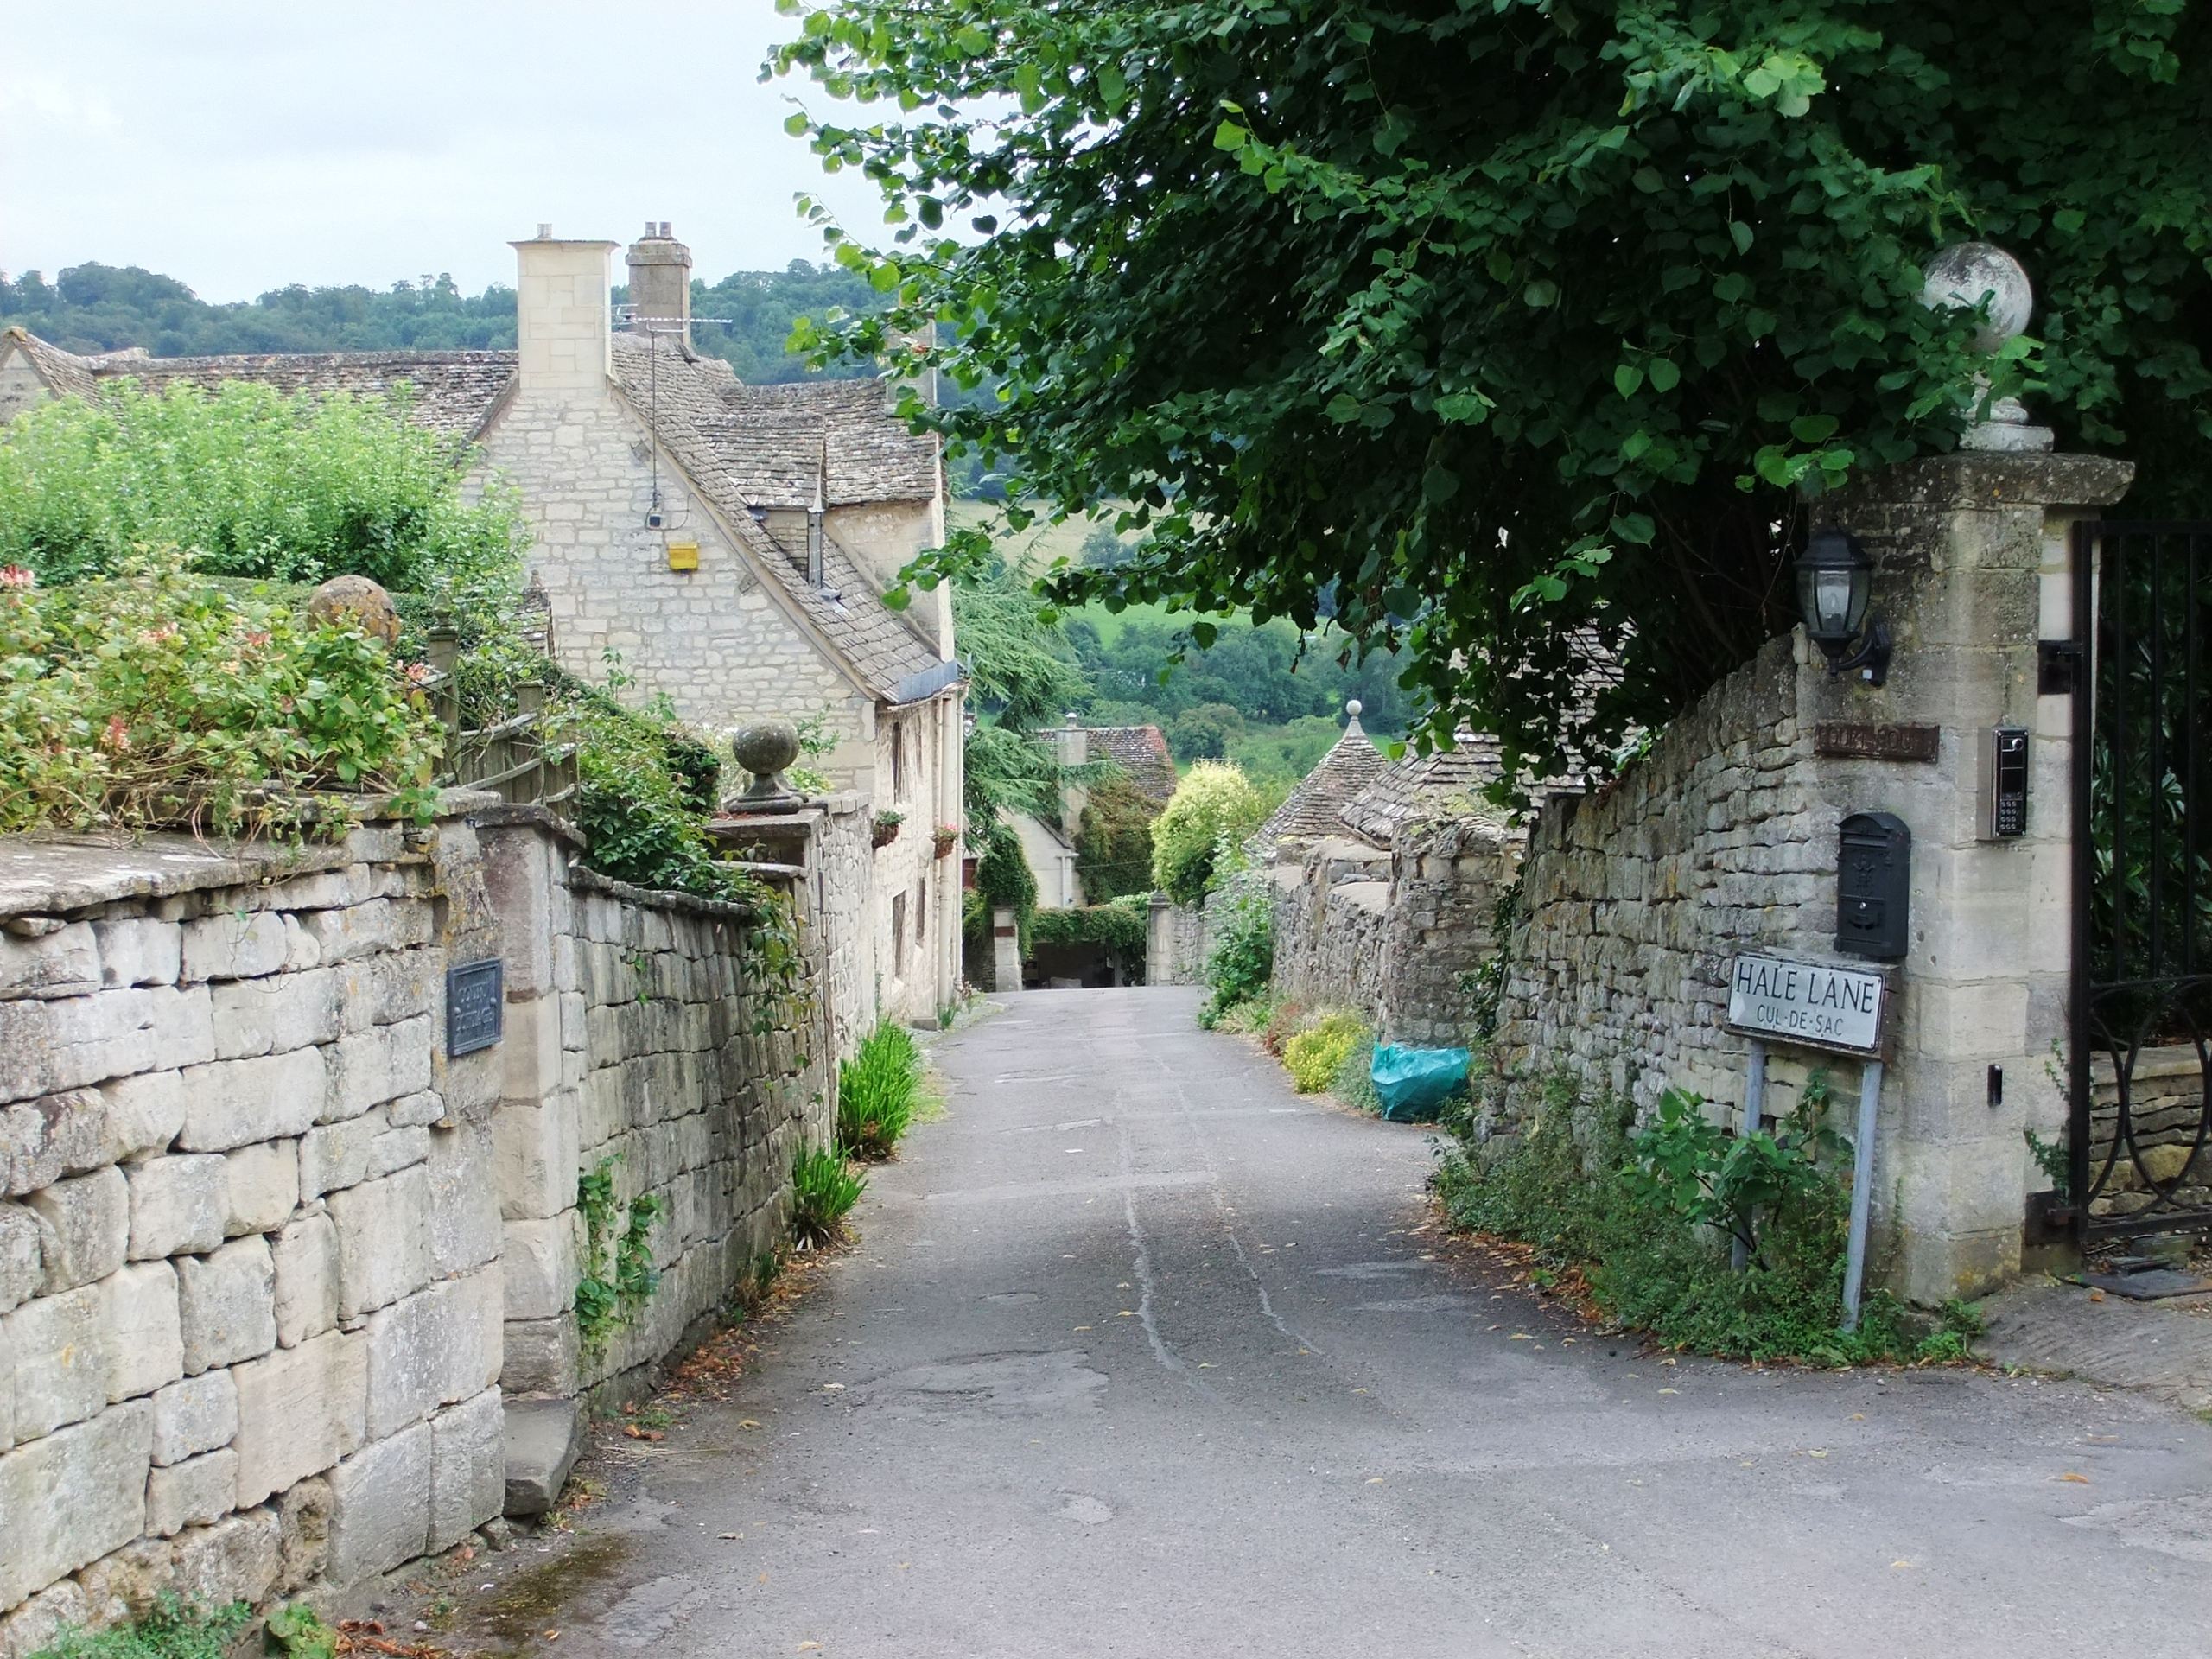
[479, 1325]
[397, 1149]
[235, 1560]
[229, 1301]
[305, 1256]
[384, 1062]
[541, 1264]
[86, 1232]
[537, 1154]
[464, 1202]
[231, 946]
[144, 1321]
[531, 1048]
[41, 1140]
[64, 963]
[63, 1348]
[383, 1240]
[7, 1387]
[336, 1155]
[299, 1410]
[541, 1356]
[177, 1204]
[410, 1111]
[234, 1103]
[191, 1493]
[357, 931]
[194, 1415]
[71, 1498]
[302, 949]
[380, 1506]
[424, 1351]
[22, 1266]
[44, 1619]
[277, 1013]
[468, 1468]
[144, 1113]
[139, 950]
[262, 1182]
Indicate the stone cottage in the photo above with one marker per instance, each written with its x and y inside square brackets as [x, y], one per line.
[1138, 754]
[729, 544]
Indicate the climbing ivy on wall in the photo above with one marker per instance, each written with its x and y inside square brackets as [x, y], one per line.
[619, 1276]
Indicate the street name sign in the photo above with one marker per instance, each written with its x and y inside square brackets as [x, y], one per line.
[1810, 1002]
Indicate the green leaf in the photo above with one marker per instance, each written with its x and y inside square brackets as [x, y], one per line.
[1813, 428]
[1665, 377]
[1540, 293]
[1439, 484]
[1635, 527]
[1647, 180]
[1627, 379]
[1741, 233]
[796, 123]
[1344, 407]
[1467, 408]
[1229, 136]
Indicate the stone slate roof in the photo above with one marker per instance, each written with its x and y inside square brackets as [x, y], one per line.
[69, 375]
[1448, 783]
[687, 399]
[1311, 812]
[1141, 753]
[452, 393]
[744, 447]
[776, 438]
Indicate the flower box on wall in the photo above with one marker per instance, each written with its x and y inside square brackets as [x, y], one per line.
[886, 828]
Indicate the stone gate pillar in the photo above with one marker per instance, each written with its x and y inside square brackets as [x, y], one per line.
[1974, 557]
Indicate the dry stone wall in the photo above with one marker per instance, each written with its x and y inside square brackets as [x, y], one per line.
[273, 1267]
[249, 1287]
[1391, 934]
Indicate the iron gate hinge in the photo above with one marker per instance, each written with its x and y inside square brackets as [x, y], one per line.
[2059, 667]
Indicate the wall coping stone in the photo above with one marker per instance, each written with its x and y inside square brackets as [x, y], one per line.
[49, 877]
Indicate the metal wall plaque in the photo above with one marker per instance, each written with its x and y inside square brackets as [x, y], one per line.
[476, 1006]
[1869, 740]
[1810, 1002]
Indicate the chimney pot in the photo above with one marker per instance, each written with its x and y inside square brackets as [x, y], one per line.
[544, 231]
[660, 284]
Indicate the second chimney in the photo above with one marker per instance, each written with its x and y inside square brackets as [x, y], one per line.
[660, 285]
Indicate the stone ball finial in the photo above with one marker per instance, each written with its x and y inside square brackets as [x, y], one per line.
[764, 749]
[355, 602]
[1960, 275]
[1352, 707]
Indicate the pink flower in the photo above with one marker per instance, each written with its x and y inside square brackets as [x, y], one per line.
[15, 576]
[420, 673]
[258, 637]
[117, 738]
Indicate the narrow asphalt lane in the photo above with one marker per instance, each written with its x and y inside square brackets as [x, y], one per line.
[1142, 1354]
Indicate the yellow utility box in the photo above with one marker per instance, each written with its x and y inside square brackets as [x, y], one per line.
[684, 556]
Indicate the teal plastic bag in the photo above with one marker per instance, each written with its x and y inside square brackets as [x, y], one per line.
[1415, 1082]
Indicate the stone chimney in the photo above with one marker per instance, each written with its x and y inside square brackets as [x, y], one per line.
[562, 328]
[1071, 747]
[660, 285]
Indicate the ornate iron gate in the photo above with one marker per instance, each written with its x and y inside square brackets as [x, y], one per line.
[2142, 1027]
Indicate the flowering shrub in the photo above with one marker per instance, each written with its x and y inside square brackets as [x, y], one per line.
[1316, 1055]
[154, 696]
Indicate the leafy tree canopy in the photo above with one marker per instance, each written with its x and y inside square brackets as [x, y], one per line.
[1212, 809]
[1507, 325]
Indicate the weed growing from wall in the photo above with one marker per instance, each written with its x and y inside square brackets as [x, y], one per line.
[170, 1630]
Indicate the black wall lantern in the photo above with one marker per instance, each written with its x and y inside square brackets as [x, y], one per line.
[1835, 583]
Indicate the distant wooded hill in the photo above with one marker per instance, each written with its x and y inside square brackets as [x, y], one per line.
[93, 308]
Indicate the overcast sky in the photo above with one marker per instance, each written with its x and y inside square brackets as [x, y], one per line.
[239, 145]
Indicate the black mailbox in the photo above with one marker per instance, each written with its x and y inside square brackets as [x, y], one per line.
[1873, 885]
